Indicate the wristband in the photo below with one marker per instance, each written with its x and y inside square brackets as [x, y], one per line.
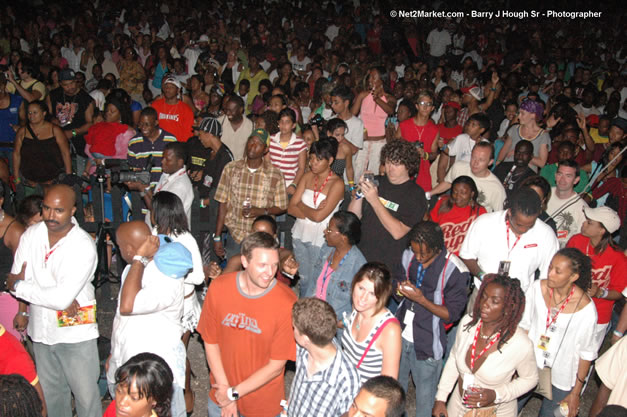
[351, 182]
[617, 333]
[216, 238]
[17, 180]
[492, 89]
[73, 132]
[428, 195]
[480, 275]
[292, 185]
[605, 293]
[23, 313]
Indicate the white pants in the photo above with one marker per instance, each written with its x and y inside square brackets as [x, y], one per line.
[368, 158]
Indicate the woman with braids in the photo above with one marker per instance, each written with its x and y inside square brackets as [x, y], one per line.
[488, 350]
[143, 388]
[455, 213]
[168, 218]
[18, 398]
[560, 319]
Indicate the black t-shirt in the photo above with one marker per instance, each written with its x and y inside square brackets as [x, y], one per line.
[515, 179]
[70, 111]
[407, 203]
[199, 158]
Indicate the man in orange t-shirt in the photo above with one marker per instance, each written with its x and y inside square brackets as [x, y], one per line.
[246, 324]
[175, 116]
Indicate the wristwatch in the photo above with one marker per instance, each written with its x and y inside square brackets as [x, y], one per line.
[141, 259]
[232, 394]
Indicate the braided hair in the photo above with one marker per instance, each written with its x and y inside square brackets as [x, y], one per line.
[18, 398]
[514, 305]
[580, 264]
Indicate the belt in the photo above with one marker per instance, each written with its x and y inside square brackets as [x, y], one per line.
[374, 138]
[190, 294]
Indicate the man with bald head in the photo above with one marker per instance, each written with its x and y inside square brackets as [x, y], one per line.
[52, 270]
[150, 308]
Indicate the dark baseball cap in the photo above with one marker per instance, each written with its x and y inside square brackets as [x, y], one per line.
[210, 125]
[67, 74]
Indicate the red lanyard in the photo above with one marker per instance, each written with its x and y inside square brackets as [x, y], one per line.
[509, 251]
[316, 193]
[550, 321]
[48, 254]
[485, 349]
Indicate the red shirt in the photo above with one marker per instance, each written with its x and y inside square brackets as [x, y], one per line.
[14, 359]
[177, 119]
[455, 223]
[449, 133]
[426, 135]
[609, 271]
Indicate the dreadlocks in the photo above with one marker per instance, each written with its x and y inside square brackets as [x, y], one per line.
[18, 398]
[514, 303]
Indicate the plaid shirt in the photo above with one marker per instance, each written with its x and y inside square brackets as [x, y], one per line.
[265, 188]
[327, 393]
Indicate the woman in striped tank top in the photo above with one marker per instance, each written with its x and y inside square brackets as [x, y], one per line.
[372, 341]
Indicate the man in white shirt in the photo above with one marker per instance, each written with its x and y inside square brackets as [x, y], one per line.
[491, 191]
[235, 127]
[565, 206]
[52, 270]
[150, 307]
[74, 53]
[438, 40]
[173, 179]
[514, 235]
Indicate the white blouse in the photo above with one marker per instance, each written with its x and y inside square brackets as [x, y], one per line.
[578, 341]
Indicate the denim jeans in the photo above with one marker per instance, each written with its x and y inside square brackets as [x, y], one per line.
[214, 411]
[549, 406]
[424, 373]
[177, 404]
[69, 368]
[306, 254]
[231, 247]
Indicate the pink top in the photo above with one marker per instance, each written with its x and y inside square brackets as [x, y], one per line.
[323, 281]
[373, 116]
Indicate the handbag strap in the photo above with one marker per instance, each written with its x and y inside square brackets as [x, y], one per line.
[30, 129]
[374, 338]
[565, 331]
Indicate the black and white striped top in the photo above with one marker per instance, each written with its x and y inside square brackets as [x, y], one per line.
[353, 351]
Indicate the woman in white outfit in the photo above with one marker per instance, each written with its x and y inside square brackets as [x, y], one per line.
[169, 218]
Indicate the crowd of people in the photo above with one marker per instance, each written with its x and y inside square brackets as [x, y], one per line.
[440, 198]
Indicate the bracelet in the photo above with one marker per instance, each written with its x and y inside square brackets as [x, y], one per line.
[480, 275]
[24, 313]
[216, 238]
[351, 182]
[605, 293]
[292, 185]
[74, 132]
[492, 89]
[583, 381]
[617, 333]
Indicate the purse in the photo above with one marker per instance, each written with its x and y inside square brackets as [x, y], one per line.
[545, 386]
[481, 412]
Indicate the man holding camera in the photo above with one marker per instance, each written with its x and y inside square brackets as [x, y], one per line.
[391, 204]
[150, 142]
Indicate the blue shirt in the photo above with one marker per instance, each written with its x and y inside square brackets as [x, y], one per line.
[9, 116]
